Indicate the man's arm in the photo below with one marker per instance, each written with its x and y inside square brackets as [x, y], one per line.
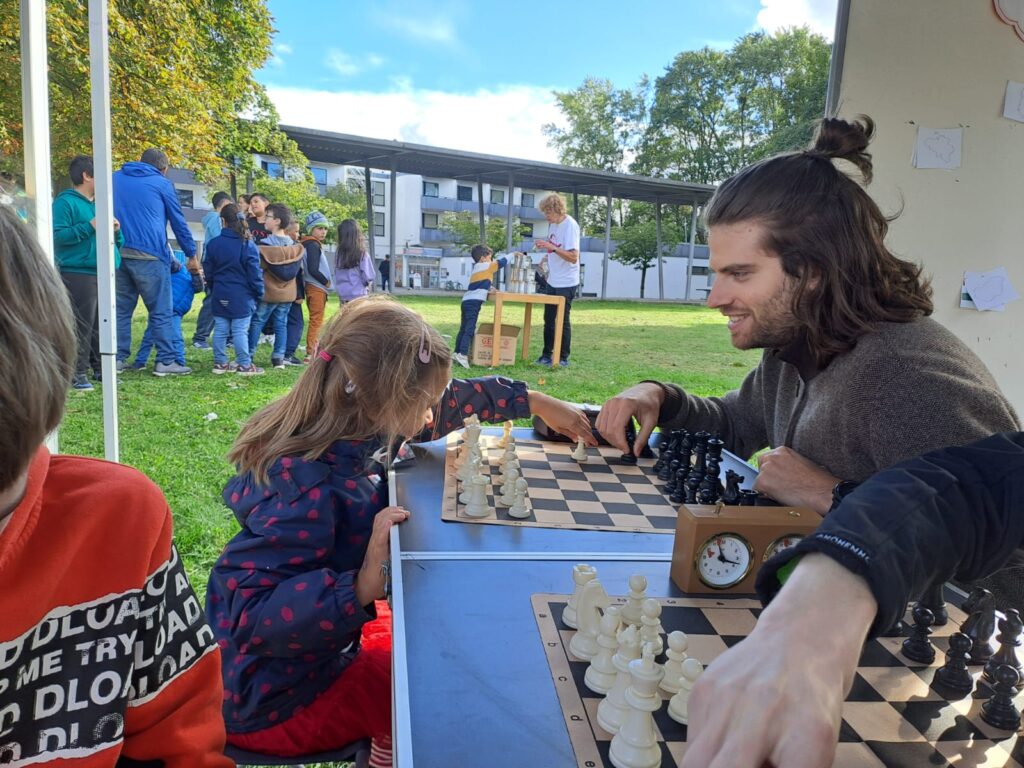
[172, 209]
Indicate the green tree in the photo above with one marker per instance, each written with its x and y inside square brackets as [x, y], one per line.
[637, 244]
[302, 197]
[180, 79]
[465, 230]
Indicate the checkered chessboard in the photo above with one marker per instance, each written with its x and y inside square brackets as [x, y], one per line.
[601, 494]
[892, 717]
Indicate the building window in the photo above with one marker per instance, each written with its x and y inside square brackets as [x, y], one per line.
[319, 178]
[527, 200]
[498, 196]
[378, 224]
[699, 271]
[526, 229]
[378, 193]
[430, 221]
[185, 198]
[273, 170]
[430, 189]
[465, 193]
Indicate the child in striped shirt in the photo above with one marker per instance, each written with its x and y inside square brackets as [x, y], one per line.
[485, 267]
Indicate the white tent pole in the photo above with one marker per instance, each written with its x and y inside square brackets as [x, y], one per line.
[35, 110]
[99, 61]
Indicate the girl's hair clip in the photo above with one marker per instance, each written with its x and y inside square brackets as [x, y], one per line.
[325, 356]
[424, 349]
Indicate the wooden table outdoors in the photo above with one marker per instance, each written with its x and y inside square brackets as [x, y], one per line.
[529, 299]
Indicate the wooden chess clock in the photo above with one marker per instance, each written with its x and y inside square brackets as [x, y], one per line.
[719, 548]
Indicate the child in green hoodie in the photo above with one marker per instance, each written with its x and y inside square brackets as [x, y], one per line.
[74, 245]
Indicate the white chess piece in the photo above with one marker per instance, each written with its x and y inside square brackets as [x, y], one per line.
[510, 452]
[632, 611]
[508, 487]
[520, 508]
[469, 470]
[476, 505]
[503, 478]
[507, 434]
[581, 574]
[612, 708]
[600, 675]
[593, 599]
[678, 705]
[677, 645]
[636, 743]
[580, 454]
[650, 624]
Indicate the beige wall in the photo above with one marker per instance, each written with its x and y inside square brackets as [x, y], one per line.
[943, 64]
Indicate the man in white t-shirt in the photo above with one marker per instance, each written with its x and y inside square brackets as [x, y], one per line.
[563, 247]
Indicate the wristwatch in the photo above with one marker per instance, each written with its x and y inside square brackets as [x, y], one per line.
[841, 490]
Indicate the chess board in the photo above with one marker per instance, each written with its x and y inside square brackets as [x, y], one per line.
[892, 717]
[602, 494]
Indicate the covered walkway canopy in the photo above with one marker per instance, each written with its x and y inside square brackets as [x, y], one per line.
[402, 157]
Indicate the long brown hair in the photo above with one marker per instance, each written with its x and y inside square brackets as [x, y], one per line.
[830, 236]
[386, 365]
[351, 245]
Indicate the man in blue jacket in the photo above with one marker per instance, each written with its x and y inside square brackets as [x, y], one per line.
[145, 203]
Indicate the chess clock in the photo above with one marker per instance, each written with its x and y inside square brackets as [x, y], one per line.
[718, 548]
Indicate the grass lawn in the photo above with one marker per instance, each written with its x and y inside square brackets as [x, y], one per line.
[167, 432]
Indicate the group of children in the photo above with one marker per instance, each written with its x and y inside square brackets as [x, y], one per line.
[281, 662]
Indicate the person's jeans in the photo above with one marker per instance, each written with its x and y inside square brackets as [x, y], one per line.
[238, 329]
[384, 281]
[550, 313]
[81, 290]
[317, 303]
[277, 316]
[204, 323]
[147, 343]
[467, 328]
[295, 326]
[152, 281]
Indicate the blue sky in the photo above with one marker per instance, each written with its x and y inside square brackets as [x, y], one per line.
[478, 74]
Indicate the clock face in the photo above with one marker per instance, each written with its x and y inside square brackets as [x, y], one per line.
[782, 543]
[724, 560]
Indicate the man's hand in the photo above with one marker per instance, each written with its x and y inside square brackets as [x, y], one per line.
[117, 225]
[547, 245]
[777, 696]
[193, 266]
[92, 221]
[643, 402]
[792, 480]
[562, 417]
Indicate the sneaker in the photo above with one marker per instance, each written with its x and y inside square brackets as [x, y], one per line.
[219, 368]
[81, 381]
[97, 375]
[277, 362]
[461, 359]
[293, 360]
[563, 363]
[120, 366]
[171, 369]
[138, 365]
[232, 366]
[543, 360]
[249, 370]
[201, 345]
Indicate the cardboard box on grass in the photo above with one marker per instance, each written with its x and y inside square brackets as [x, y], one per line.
[484, 340]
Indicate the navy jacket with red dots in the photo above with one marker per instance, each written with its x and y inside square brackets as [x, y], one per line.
[280, 598]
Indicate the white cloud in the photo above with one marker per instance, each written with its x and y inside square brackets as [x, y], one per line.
[819, 15]
[505, 120]
[425, 30]
[280, 50]
[347, 65]
[283, 48]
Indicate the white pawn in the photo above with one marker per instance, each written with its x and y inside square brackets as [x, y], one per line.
[581, 574]
[601, 673]
[519, 507]
[650, 625]
[470, 470]
[677, 645]
[580, 454]
[510, 451]
[508, 487]
[509, 466]
[593, 600]
[632, 612]
[508, 433]
[612, 708]
[679, 704]
[636, 743]
[476, 506]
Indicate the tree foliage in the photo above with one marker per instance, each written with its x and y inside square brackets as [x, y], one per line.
[302, 197]
[465, 230]
[637, 244]
[180, 79]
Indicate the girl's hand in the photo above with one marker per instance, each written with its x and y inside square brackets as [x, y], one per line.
[370, 581]
[562, 417]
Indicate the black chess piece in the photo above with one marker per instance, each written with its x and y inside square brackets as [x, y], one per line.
[933, 600]
[706, 496]
[1010, 629]
[715, 448]
[628, 457]
[692, 484]
[899, 629]
[672, 475]
[731, 495]
[748, 498]
[667, 472]
[700, 459]
[999, 710]
[980, 624]
[954, 674]
[678, 495]
[918, 647]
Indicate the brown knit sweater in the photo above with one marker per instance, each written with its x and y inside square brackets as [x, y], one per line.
[904, 389]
